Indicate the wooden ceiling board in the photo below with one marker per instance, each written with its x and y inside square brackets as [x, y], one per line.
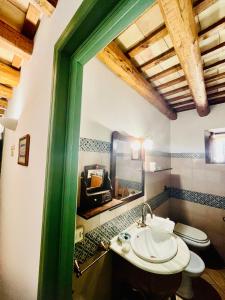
[148, 31]
[212, 14]
[130, 37]
[178, 94]
[172, 61]
[212, 41]
[150, 20]
[151, 52]
[222, 35]
[21, 4]
[154, 70]
[170, 77]
[175, 86]
[11, 15]
[6, 55]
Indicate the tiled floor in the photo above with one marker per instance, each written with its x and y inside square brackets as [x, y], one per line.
[211, 285]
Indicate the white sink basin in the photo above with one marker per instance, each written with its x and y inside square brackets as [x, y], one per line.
[154, 246]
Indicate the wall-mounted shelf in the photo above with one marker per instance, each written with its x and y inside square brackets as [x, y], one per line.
[160, 170]
[92, 212]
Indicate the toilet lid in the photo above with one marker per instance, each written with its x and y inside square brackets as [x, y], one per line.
[196, 264]
[190, 233]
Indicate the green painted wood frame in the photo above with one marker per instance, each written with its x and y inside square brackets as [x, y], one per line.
[93, 26]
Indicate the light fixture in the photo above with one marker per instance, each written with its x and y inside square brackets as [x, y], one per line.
[148, 144]
[136, 145]
[8, 123]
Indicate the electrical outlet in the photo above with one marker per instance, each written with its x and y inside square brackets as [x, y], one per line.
[79, 235]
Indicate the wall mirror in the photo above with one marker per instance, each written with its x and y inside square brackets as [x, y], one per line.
[215, 146]
[127, 167]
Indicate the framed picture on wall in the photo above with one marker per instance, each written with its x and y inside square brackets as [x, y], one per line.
[23, 152]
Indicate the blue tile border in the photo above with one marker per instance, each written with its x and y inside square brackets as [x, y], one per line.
[88, 247]
[130, 184]
[92, 145]
[188, 155]
[197, 197]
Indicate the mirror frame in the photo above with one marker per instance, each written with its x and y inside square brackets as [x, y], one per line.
[119, 136]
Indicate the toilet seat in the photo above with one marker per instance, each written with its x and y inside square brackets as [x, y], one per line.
[192, 236]
[196, 265]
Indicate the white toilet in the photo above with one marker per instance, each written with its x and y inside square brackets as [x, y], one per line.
[196, 239]
[192, 236]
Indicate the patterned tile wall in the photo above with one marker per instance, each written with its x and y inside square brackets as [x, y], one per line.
[107, 231]
[188, 155]
[92, 145]
[196, 197]
[130, 184]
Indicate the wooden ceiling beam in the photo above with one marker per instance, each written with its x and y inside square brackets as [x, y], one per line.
[215, 87]
[214, 101]
[183, 78]
[220, 62]
[185, 108]
[171, 82]
[192, 106]
[211, 95]
[5, 92]
[117, 61]
[211, 30]
[170, 53]
[31, 21]
[3, 103]
[207, 32]
[8, 75]
[154, 37]
[212, 49]
[162, 31]
[182, 103]
[156, 60]
[217, 94]
[15, 41]
[170, 100]
[179, 19]
[177, 68]
[186, 87]
[215, 77]
[45, 6]
[175, 91]
[200, 6]
[17, 62]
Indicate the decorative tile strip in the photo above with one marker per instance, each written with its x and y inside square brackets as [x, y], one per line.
[188, 155]
[130, 184]
[197, 197]
[92, 145]
[88, 247]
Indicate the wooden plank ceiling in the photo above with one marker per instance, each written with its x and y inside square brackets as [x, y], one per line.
[19, 21]
[177, 48]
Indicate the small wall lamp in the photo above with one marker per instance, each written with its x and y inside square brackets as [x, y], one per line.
[9, 123]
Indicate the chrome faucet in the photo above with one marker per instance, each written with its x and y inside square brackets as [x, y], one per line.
[144, 214]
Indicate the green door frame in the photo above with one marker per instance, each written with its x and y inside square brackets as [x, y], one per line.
[93, 26]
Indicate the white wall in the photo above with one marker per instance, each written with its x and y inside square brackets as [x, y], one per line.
[22, 188]
[187, 132]
[187, 135]
[110, 104]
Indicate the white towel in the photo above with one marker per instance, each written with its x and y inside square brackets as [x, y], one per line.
[160, 223]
